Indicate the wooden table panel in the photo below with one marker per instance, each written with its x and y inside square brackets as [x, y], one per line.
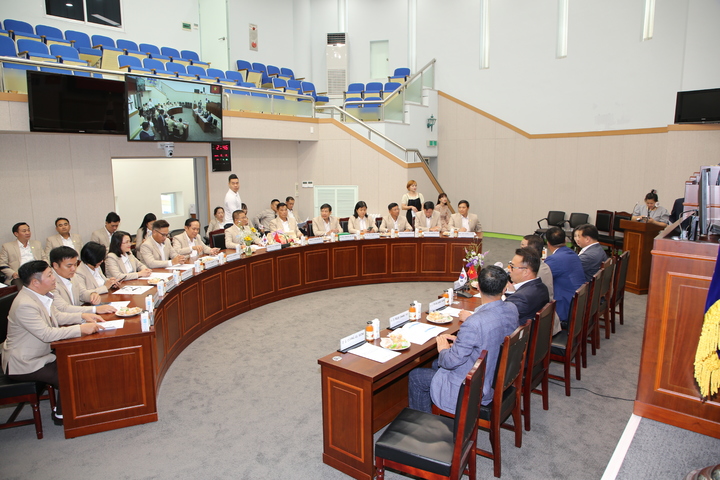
[374, 259]
[345, 262]
[190, 307]
[434, 257]
[173, 321]
[161, 336]
[263, 281]
[403, 257]
[288, 271]
[236, 286]
[212, 295]
[317, 266]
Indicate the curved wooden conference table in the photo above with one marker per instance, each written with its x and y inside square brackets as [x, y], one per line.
[111, 379]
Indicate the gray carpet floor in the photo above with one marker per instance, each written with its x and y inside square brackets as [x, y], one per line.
[243, 401]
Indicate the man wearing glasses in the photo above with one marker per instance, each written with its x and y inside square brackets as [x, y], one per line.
[156, 251]
[530, 293]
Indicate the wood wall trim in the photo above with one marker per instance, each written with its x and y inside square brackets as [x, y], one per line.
[268, 116]
[601, 133]
[13, 97]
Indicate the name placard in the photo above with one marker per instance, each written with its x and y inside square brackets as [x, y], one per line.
[186, 274]
[315, 240]
[406, 234]
[233, 256]
[170, 284]
[346, 238]
[436, 305]
[466, 234]
[273, 247]
[351, 341]
[399, 319]
[212, 264]
[431, 234]
[372, 236]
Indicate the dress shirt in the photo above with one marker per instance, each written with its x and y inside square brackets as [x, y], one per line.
[465, 223]
[232, 203]
[69, 287]
[26, 254]
[46, 300]
[97, 275]
[161, 248]
[126, 261]
[264, 218]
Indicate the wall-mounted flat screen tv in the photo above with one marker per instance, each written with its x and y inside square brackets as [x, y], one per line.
[75, 104]
[161, 109]
[698, 106]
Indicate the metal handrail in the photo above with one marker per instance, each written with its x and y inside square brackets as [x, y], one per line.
[360, 122]
[270, 93]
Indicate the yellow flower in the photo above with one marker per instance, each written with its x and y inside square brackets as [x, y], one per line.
[252, 229]
[248, 239]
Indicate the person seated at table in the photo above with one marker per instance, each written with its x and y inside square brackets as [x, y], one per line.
[240, 230]
[284, 224]
[567, 271]
[66, 295]
[263, 219]
[464, 221]
[156, 251]
[483, 329]
[218, 221]
[592, 255]
[146, 133]
[91, 278]
[544, 273]
[325, 223]
[429, 220]
[63, 237]
[179, 127]
[394, 221]
[444, 210]
[33, 324]
[120, 262]
[17, 253]
[102, 235]
[189, 243]
[651, 212]
[529, 294]
[360, 222]
[145, 229]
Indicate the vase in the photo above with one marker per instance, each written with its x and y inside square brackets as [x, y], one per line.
[248, 251]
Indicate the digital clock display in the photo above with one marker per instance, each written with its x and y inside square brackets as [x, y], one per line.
[221, 161]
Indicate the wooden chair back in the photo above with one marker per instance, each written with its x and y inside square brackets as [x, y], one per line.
[537, 362]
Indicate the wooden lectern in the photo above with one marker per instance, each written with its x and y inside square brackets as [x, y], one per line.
[667, 390]
[639, 238]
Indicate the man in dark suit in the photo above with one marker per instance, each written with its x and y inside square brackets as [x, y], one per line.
[592, 254]
[567, 271]
[530, 293]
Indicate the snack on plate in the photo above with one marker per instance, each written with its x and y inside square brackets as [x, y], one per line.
[395, 341]
[154, 280]
[438, 317]
[128, 312]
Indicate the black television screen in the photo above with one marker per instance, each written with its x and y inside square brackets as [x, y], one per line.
[698, 106]
[75, 104]
[163, 109]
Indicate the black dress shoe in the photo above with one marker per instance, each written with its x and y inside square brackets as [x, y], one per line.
[57, 420]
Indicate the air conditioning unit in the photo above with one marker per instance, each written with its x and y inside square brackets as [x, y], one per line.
[336, 59]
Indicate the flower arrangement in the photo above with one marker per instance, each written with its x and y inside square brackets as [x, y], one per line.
[474, 261]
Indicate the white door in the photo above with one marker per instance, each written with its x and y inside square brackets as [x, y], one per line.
[379, 61]
[214, 45]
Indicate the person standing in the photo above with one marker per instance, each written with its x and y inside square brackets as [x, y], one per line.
[232, 199]
[412, 201]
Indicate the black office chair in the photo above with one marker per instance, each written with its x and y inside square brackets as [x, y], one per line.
[554, 218]
[177, 231]
[434, 446]
[575, 220]
[218, 240]
[309, 229]
[344, 223]
[19, 393]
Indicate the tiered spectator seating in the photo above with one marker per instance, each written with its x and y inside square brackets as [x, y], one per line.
[157, 67]
[109, 51]
[250, 74]
[308, 88]
[153, 52]
[288, 74]
[199, 73]
[273, 71]
[194, 58]
[81, 42]
[67, 55]
[401, 74]
[219, 76]
[294, 86]
[389, 88]
[52, 35]
[179, 70]
[61, 71]
[354, 91]
[131, 64]
[373, 89]
[265, 81]
[237, 77]
[175, 56]
[131, 49]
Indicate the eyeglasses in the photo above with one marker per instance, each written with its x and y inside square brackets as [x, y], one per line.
[513, 267]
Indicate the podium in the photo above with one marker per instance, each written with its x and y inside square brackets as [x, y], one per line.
[639, 238]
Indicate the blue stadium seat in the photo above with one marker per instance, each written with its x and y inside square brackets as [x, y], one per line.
[219, 76]
[273, 71]
[179, 70]
[51, 35]
[67, 55]
[61, 71]
[294, 86]
[81, 42]
[236, 77]
[199, 73]
[157, 67]
[131, 64]
[109, 51]
[104, 42]
[373, 89]
[389, 88]
[194, 58]
[354, 91]
[19, 66]
[153, 52]
[175, 56]
[288, 74]
[400, 74]
[20, 30]
[279, 84]
[249, 73]
[34, 50]
[265, 81]
[7, 47]
[308, 88]
[130, 48]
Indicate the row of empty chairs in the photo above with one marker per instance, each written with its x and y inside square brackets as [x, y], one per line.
[611, 234]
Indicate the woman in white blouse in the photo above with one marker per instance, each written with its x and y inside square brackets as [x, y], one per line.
[120, 262]
[93, 282]
[360, 222]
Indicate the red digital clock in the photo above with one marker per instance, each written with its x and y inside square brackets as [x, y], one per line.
[221, 160]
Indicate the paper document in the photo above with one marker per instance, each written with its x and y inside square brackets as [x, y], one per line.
[119, 305]
[163, 276]
[2, 285]
[373, 352]
[112, 324]
[134, 290]
[452, 311]
[420, 333]
[182, 266]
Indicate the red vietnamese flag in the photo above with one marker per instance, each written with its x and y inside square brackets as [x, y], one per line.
[472, 274]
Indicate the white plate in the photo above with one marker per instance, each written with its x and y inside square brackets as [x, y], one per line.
[440, 321]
